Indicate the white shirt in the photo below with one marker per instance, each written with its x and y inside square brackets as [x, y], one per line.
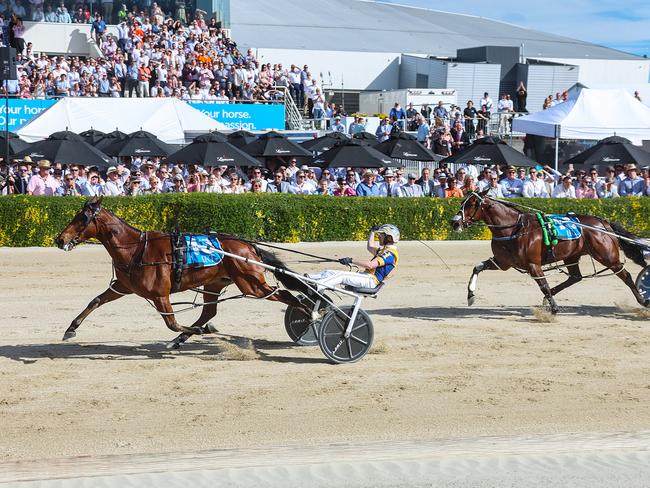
[560, 192]
[535, 188]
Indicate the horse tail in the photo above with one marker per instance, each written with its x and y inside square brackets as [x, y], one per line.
[289, 281]
[632, 250]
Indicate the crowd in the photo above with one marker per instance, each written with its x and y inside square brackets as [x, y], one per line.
[150, 176]
[152, 55]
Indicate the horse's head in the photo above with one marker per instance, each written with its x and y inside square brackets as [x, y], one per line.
[471, 211]
[80, 229]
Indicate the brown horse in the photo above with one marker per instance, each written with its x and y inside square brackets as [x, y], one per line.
[518, 242]
[143, 264]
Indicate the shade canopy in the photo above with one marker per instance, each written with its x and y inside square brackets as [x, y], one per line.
[490, 151]
[110, 139]
[16, 144]
[611, 151]
[354, 154]
[240, 138]
[405, 146]
[140, 143]
[366, 137]
[92, 136]
[592, 114]
[212, 149]
[274, 144]
[66, 147]
[324, 143]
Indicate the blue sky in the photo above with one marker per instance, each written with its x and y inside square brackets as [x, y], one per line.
[598, 21]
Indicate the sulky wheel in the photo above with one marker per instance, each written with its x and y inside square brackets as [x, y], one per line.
[300, 326]
[643, 283]
[332, 340]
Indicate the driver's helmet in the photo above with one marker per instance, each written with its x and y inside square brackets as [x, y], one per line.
[390, 230]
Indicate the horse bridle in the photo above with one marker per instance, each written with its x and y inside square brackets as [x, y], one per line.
[468, 221]
[88, 219]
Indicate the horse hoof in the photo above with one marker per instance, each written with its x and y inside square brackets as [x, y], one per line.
[209, 328]
[69, 334]
[470, 300]
[173, 345]
[646, 303]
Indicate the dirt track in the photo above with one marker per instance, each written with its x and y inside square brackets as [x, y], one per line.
[438, 369]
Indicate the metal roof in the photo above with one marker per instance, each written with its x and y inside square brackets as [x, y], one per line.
[369, 26]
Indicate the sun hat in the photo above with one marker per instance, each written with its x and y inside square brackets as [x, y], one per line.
[44, 163]
[389, 172]
[111, 169]
[368, 172]
[412, 176]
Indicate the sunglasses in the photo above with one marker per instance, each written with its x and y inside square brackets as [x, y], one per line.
[69, 179]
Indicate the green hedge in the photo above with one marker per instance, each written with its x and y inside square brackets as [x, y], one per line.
[35, 221]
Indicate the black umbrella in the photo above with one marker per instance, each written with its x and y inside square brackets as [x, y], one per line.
[354, 154]
[489, 151]
[66, 147]
[110, 139]
[366, 137]
[405, 146]
[92, 136]
[324, 143]
[140, 143]
[240, 138]
[212, 149]
[16, 144]
[274, 144]
[609, 152]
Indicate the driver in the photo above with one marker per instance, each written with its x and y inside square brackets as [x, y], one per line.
[384, 261]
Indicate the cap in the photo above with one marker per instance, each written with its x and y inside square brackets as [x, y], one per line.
[111, 169]
[389, 172]
[44, 163]
[338, 117]
[412, 176]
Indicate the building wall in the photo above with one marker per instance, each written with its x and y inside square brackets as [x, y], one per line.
[340, 69]
[599, 72]
[72, 39]
[544, 80]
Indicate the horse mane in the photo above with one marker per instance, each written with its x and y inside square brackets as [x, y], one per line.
[508, 204]
[122, 220]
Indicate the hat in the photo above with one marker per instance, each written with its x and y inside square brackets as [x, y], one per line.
[368, 172]
[110, 170]
[611, 168]
[338, 117]
[178, 178]
[27, 159]
[304, 167]
[147, 163]
[389, 172]
[44, 163]
[632, 167]
[412, 176]
[511, 168]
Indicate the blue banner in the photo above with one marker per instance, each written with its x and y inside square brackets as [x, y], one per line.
[22, 111]
[245, 116]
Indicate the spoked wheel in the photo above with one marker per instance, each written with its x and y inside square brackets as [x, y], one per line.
[331, 336]
[300, 326]
[643, 283]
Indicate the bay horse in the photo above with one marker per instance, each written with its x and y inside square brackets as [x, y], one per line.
[143, 264]
[518, 242]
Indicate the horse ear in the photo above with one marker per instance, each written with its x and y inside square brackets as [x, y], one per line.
[484, 192]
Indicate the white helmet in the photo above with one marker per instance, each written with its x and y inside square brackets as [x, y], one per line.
[390, 230]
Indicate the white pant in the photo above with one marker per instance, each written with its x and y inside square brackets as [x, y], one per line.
[332, 278]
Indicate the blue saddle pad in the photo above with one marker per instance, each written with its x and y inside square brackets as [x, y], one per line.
[202, 250]
[565, 228]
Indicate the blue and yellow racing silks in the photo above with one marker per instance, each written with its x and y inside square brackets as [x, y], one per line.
[387, 260]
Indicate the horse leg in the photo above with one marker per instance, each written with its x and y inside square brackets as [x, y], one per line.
[625, 276]
[537, 274]
[107, 296]
[471, 286]
[207, 313]
[164, 307]
[575, 275]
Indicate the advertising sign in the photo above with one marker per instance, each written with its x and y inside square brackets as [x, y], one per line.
[21, 111]
[247, 116]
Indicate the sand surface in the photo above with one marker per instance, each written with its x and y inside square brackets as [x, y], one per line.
[438, 369]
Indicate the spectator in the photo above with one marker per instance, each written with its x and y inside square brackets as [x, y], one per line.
[469, 185]
[324, 188]
[18, 31]
[93, 186]
[586, 189]
[398, 114]
[483, 118]
[389, 187]
[98, 27]
[301, 187]
[493, 188]
[411, 188]
[63, 16]
[427, 185]
[522, 95]
[459, 138]
[114, 186]
[179, 185]
[37, 14]
[50, 15]
[256, 185]
[423, 130]
[441, 114]
[343, 189]
[565, 190]
[368, 187]
[534, 186]
[452, 191]
[633, 185]
[383, 130]
[511, 186]
[43, 183]
[278, 185]
[487, 101]
[411, 118]
[154, 186]
[337, 126]
[318, 102]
